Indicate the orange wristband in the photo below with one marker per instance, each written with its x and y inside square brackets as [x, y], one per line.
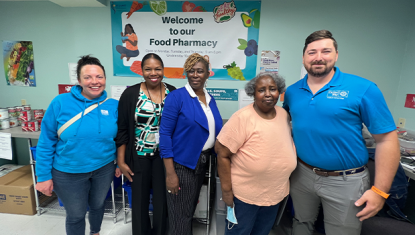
[380, 192]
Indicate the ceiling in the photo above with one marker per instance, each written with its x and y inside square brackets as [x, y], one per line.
[68, 3]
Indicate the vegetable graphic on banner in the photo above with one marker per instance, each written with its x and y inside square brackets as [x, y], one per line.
[19, 63]
[135, 6]
[174, 30]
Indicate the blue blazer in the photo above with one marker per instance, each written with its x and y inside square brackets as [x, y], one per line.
[184, 127]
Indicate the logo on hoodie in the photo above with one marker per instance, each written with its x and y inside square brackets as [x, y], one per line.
[104, 112]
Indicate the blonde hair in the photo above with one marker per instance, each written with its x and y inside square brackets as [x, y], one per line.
[193, 59]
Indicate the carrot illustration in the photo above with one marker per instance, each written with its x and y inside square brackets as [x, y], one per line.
[135, 6]
[136, 68]
[170, 72]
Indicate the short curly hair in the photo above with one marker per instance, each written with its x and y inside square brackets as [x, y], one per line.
[193, 59]
[251, 85]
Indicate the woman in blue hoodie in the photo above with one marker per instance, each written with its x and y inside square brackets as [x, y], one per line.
[77, 161]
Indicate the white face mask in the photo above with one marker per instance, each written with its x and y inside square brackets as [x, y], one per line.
[231, 216]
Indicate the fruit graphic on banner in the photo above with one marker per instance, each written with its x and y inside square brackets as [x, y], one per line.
[188, 6]
[246, 19]
[252, 20]
[250, 48]
[234, 71]
[159, 7]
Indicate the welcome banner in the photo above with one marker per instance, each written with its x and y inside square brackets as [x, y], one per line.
[225, 33]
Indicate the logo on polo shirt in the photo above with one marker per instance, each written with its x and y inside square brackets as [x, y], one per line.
[337, 94]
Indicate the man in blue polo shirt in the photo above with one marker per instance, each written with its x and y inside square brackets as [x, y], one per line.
[327, 109]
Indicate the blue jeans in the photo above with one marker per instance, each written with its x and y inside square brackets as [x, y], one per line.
[80, 190]
[128, 53]
[252, 219]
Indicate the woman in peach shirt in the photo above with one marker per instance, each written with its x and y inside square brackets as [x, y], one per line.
[256, 156]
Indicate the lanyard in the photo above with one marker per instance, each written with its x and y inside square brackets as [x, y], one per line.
[152, 103]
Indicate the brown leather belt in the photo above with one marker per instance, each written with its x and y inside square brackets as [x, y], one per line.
[326, 173]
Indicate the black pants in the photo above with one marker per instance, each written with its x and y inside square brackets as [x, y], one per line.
[149, 173]
[182, 206]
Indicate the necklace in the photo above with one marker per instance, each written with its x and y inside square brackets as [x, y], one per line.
[152, 103]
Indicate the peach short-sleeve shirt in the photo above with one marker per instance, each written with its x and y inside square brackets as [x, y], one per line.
[264, 155]
[129, 46]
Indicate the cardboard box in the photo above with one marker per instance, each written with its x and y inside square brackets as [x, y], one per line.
[16, 192]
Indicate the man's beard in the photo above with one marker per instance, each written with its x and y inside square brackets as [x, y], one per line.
[320, 73]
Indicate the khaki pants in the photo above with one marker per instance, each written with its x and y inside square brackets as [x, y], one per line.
[337, 194]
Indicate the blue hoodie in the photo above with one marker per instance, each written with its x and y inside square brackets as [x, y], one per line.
[86, 145]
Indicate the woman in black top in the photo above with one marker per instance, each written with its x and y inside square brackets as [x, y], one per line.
[139, 113]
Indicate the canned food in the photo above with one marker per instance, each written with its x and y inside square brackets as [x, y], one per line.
[25, 115]
[4, 124]
[39, 122]
[24, 126]
[12, 112]
[19, 121]
[13, 122]
[18, 110]
[38, 113]
[26, 107]
[4, 114]
[32, 126]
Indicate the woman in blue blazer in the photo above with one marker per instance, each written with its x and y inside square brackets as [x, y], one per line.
[191, 121]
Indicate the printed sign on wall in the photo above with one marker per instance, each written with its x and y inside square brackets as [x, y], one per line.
[225, 33]
[65, 88]
[223, 94]
[410, 101]
[19, 63]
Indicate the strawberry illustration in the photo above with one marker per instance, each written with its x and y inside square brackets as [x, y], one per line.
[199, 9]
[188, 6]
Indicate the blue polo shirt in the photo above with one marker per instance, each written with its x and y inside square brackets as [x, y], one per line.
[327, 126]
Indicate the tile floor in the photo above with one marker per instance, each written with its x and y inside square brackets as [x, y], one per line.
[50, 223]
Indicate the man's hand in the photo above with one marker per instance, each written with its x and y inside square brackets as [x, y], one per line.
[374, 203]
[45, 187]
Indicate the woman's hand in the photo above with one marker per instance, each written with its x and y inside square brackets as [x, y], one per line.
[125, 169]
[227, 197]
[224, 171]
[172, 183]
[45, 187]
[118, 172]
